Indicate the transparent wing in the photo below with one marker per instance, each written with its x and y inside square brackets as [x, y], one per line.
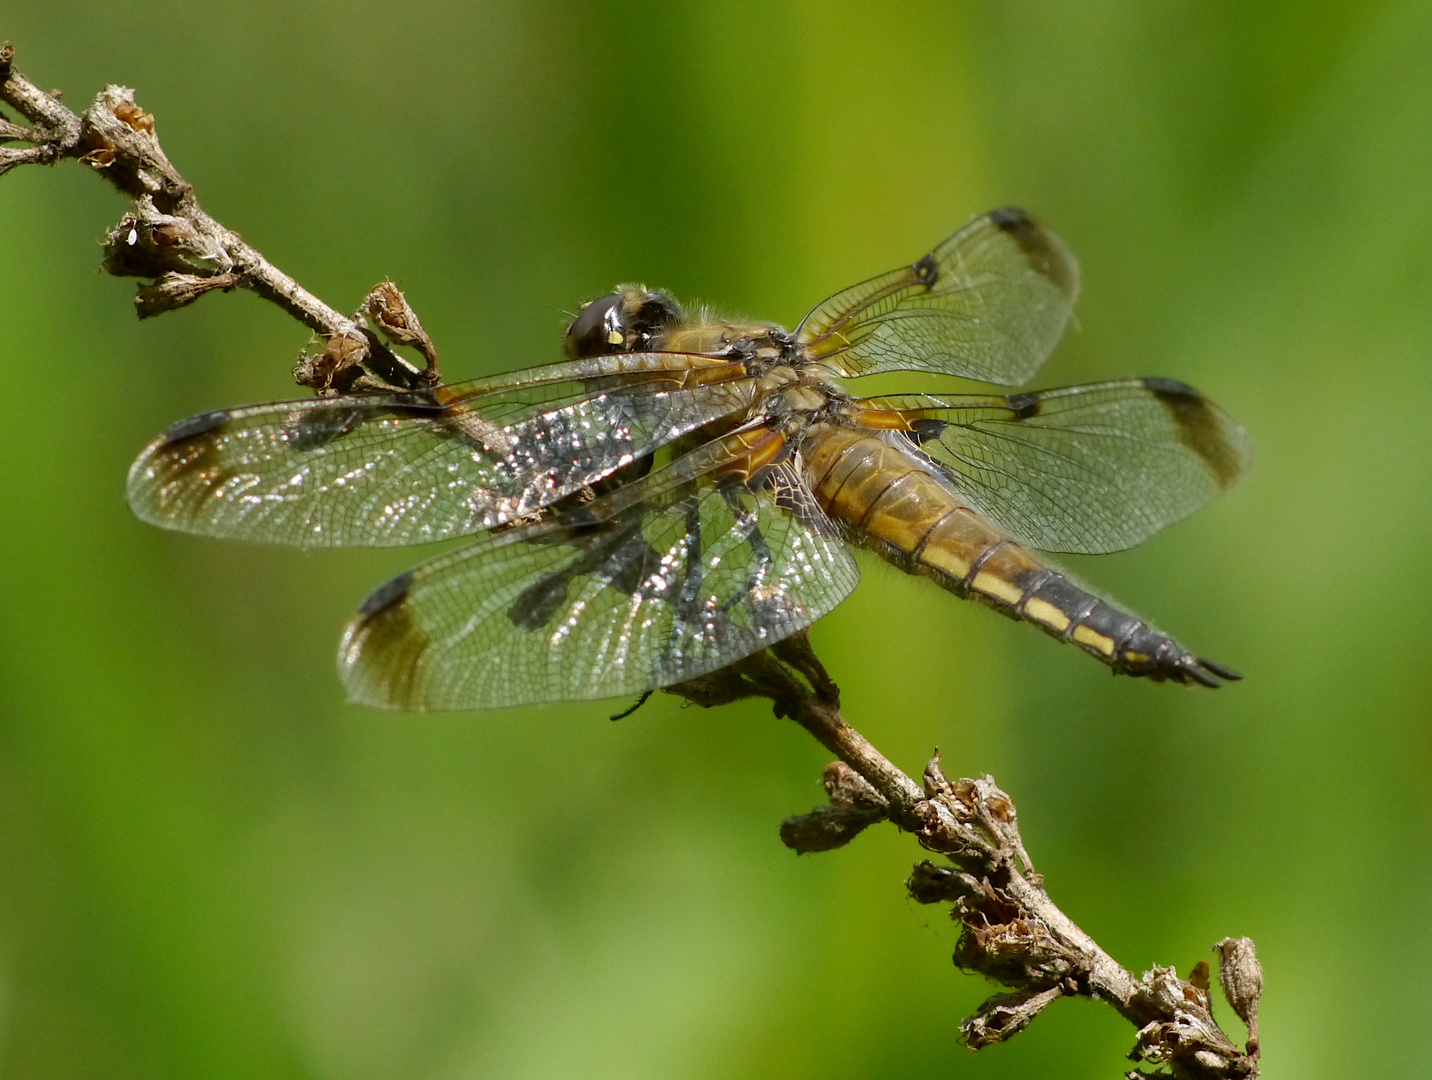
[990, 303]
[670, 578]
[379, 471]
[1091, 469]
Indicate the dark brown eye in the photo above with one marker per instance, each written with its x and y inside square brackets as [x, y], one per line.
[598, 330]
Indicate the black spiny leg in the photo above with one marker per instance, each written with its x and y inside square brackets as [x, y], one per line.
[645, 697]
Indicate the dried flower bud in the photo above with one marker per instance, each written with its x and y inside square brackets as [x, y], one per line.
[934, 778]
[100, 158]
[171, 291]
[1199, 976]
[148, 244]
[1005, 1015]
[345, 348]
[394, 317]
[387, 306]
[1241, 977]
[337, 366]
[826, 828]
[931, 883]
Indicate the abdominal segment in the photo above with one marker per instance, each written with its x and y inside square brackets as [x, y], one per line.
[888, 502]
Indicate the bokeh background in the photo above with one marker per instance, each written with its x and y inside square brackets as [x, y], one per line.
[211, 866]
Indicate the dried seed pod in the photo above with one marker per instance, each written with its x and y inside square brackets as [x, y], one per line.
[171, 291]
[335, 369]
[1241, 977]
[394, 317]
[826, 828]
[147, 244]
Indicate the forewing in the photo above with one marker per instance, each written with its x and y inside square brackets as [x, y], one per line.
[990, 303]
[605, 601]
[379, 471]
[1092, 469]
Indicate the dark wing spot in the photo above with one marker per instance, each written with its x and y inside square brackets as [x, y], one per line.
[922, 431]
[1172, 388]
[1200, 428]
[195, 425]
[316, 428]
[536, 604]
[623, 562]
[386, 595]
[1024, 405]
[927, 271]
[1009, 218]
[1045, 254]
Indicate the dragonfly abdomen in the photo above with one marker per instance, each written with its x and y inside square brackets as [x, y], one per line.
[888, 503]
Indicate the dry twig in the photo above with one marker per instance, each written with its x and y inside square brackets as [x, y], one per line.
[168, 238]
[1011, 931]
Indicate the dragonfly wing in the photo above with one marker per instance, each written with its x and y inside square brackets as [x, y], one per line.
[679, 575]
[990, 303]
[1092, 468]
[382, 471]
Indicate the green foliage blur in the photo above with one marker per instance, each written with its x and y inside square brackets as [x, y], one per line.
[211, 866]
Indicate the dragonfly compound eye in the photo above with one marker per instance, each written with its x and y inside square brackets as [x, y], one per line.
[598, 329]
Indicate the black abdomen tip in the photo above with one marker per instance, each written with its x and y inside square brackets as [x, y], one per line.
[1220, 670]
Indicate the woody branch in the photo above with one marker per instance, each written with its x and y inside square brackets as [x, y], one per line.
[167, 238]
[1012, 932]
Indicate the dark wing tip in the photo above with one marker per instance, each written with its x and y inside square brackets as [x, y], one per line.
[173, 471]
[1205, 429]
[1010, 218]
[202, 424]
[1044, 251]
[381, 657]
[391, 592]
[1168, 389]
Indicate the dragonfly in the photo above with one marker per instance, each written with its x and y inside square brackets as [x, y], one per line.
[684, 490]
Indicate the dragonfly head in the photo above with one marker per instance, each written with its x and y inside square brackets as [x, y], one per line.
[632, 319]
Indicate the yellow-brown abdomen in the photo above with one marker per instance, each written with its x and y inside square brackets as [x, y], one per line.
[888, 501]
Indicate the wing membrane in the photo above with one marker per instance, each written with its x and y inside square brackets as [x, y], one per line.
[990, 303]
[1092, 468]
[392, 470]
[667, 579]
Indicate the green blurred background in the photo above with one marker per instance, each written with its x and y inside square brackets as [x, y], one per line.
[210, 866]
